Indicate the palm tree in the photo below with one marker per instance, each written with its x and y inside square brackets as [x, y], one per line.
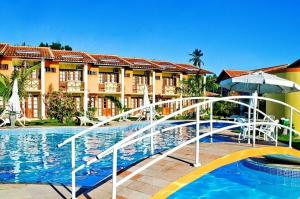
[198, 79]
[196, 58]
[22, 74]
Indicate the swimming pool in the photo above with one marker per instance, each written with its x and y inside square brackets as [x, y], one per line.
[30, 155]
[237, 181]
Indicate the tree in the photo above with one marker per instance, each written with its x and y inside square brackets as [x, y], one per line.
[61, 106]
[56, 46]
[22, 72]
[196, 58]
[211, 83]
[195, 84]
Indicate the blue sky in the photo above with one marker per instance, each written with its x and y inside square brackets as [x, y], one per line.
[233, 34]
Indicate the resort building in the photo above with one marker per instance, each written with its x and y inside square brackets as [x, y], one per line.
[93, 78]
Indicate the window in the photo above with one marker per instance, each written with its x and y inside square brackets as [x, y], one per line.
[3, 66]
[90, 72]
[127, 74]
[50, 70]
[157, 77]
[108, 77]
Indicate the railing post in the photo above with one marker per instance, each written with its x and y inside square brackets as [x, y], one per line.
[211, 121]
[291, 127]
[249, 118]
[197, 162]
[151, 130]
[114, 174]
[254, 120]
[73, 160]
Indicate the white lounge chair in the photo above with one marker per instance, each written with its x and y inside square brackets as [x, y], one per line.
[84, 121]
[4, 118]
[269, 130]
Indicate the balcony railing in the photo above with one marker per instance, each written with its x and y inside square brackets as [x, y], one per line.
[33, 84]
[169, 90]
[110, 87]
[139, 88]
[72, 86]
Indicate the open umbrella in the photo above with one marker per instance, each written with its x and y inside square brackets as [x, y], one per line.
[14, 101]
[260, 83]
[146, 100]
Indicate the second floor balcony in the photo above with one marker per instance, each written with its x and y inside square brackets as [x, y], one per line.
[33, 85]
[139, 88]
[72, 86]
[110, 87]
[169, 90]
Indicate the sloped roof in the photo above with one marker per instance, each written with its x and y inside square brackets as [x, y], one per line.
[72, 56]
[109, 60]
[2, 48]
[194, 70]
[168, 66]
[28, 52]
[140, 63]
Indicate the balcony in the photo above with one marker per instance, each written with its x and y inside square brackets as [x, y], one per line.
[33, 85]
[139, 88]
[110, 87]
[169, 90]
[72, 86]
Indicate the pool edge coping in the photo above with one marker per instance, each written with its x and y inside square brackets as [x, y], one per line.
[227, 159]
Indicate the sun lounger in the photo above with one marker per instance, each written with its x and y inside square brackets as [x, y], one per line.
[84, 121]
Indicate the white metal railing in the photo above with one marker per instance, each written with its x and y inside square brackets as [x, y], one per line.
[133, 138]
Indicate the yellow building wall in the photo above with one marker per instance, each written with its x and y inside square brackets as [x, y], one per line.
[293, 99]
[158, 83]
[8, 72]
[52, 79]
[93, 80]
[128, 81]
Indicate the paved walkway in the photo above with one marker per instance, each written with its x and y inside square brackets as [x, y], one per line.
[141, 186]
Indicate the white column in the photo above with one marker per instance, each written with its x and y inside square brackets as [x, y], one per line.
[153, 87]
[43, 90]
[181, 91]
[204, 83]
[85, 95]
[123, 86]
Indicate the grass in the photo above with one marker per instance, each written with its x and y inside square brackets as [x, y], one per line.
[285, 139]
[50, 122]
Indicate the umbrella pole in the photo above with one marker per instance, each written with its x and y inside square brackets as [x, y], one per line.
[254, 120]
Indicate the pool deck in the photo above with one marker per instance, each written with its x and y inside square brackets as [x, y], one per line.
[143, 185]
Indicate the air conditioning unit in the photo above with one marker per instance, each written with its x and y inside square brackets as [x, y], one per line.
[116, 70]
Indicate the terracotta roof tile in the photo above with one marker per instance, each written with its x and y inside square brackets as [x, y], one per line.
[168, 66]
[272, 69]
[236, 73]
[109, 60]
[72, 56]
[28, 52]
[192, 69]
[140, 63]
[3, 46]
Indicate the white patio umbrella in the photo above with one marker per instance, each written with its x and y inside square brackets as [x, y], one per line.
[146, 100]
[260, 83]
[14, 101]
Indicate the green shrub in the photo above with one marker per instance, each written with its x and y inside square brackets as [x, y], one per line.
[61, 106]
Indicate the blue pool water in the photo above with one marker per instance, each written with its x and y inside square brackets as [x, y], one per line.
[239, 182]
[31, 155]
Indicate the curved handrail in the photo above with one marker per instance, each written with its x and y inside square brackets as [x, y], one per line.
[208, 100]
[110, 149]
